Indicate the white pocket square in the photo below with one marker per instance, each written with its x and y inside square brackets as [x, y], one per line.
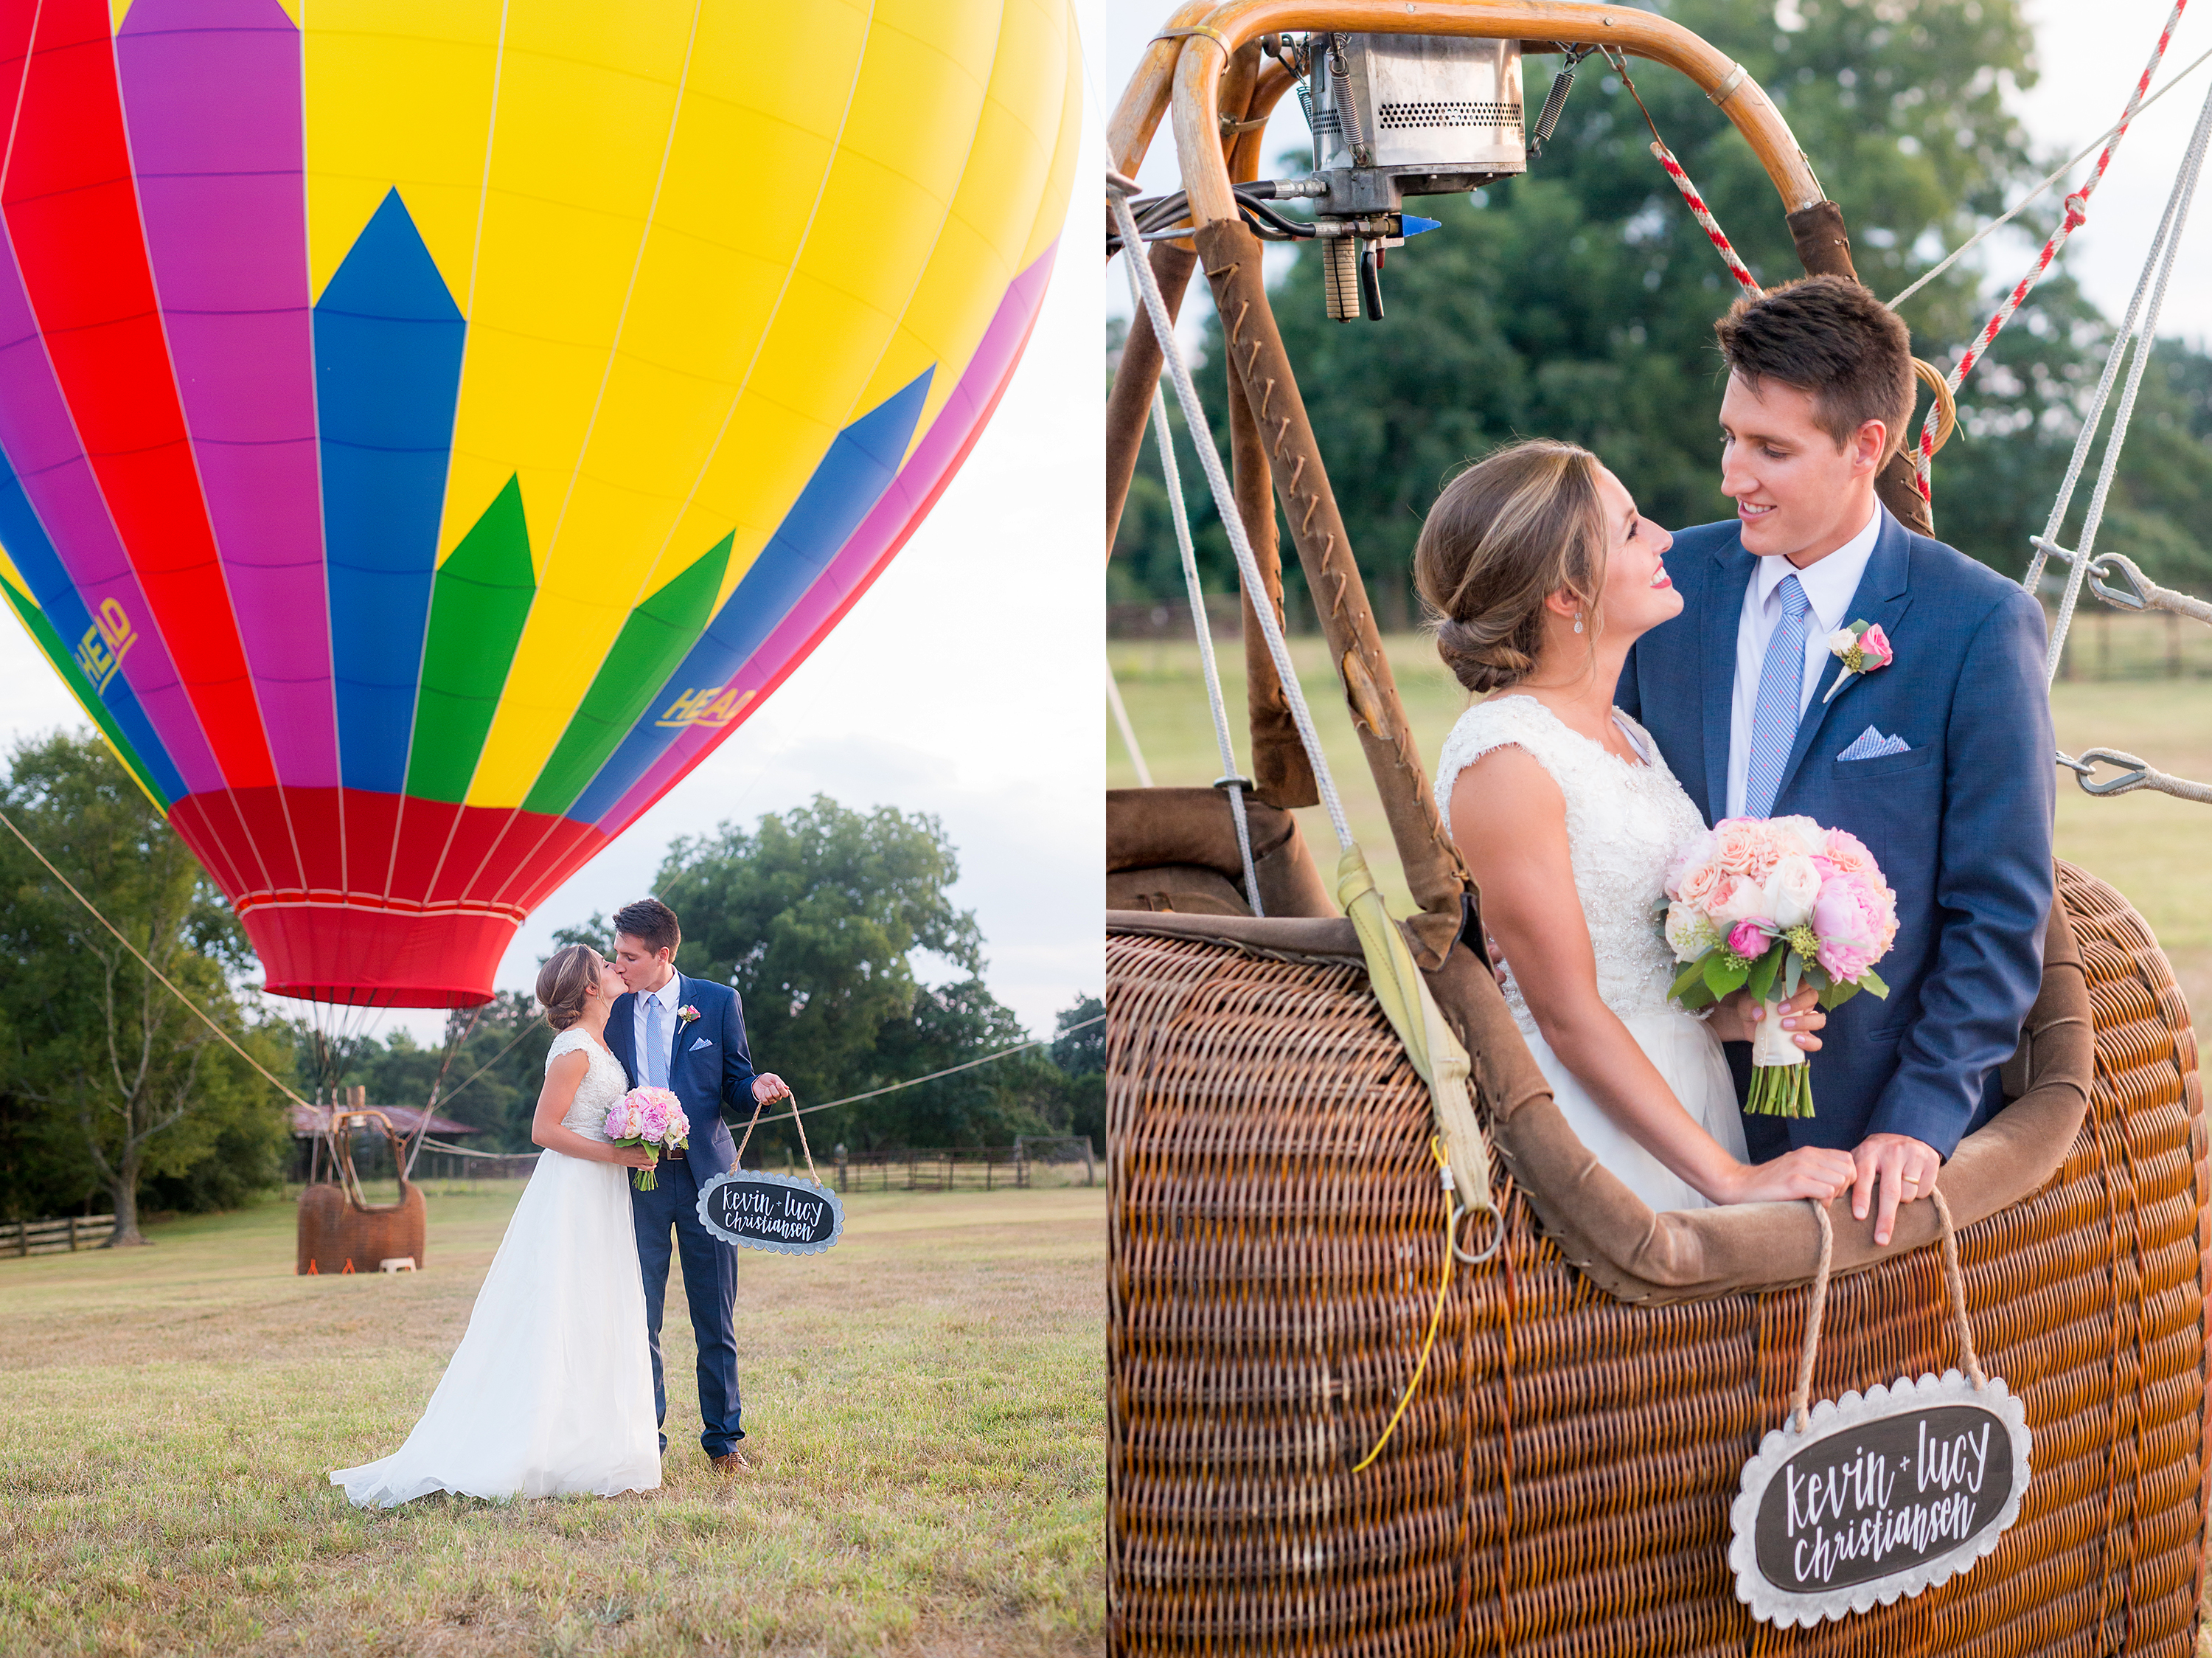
[1870, 745]
[703, 1042]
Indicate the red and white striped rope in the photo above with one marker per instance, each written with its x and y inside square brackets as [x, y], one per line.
[2078, 210]
[1704, 215]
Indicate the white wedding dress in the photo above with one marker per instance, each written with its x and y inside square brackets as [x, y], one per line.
[1624, 823]
[550, 1391]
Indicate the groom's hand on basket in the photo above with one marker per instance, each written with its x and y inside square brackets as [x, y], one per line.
[768, 1086]
[1891, 1168]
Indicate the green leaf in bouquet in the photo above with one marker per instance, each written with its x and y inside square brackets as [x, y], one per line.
[1834, 995]
[1692, 974]
[1725, 973]
[1761, 982]
[1696, 996]
[1870, 981]
[1792, 976]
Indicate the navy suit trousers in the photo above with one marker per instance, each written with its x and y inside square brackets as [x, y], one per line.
[710, 1285]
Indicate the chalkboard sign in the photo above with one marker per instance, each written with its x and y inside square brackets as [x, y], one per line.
[771, 1211]
[1883, 1494]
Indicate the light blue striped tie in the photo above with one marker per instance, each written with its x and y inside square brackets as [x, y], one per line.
[1781, 697]
[656, 1045]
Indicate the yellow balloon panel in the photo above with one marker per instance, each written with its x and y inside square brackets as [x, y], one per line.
[398, 95]
[692, 244]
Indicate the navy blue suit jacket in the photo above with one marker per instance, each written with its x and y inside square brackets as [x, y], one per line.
[1961, 824]
[709, 1066]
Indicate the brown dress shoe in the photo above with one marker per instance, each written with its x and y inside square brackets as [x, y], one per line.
[732, 1462]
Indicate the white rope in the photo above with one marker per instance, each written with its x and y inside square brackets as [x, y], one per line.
[1128, 732]
[2049, 179]
[2164, 248]
[1230, 782]
[1224, 502]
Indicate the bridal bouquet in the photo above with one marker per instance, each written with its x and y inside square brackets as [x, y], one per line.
[648, 1116]
[1770, 905]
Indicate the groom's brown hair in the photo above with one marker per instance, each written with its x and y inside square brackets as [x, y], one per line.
[651, 924]
[1832, 338]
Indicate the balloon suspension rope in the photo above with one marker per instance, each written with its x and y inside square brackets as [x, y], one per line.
[797, 1119]
[163, 977]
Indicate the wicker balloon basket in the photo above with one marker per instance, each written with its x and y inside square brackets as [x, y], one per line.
[341, 1232]
[1561, 1482]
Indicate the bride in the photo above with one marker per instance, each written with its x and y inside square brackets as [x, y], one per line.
[550, 1391]
[1544, 574]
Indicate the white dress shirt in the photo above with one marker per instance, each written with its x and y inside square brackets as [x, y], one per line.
[1829, 584]
[666, 995]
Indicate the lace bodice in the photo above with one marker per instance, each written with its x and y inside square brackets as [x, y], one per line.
[604, 1082]
[1624, 823]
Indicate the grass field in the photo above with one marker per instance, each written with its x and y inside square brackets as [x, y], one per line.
[2152, 847]
[925, 1406]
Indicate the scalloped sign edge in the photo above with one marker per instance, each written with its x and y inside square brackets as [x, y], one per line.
[754, 1176]
[1786, 1608]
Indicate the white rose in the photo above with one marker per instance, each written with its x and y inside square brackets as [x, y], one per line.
[1812, 839]
[1841, 640]
[1790, 892]
[1689, 932]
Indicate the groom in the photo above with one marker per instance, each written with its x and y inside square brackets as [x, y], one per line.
[687, 1035]
[1940, 760]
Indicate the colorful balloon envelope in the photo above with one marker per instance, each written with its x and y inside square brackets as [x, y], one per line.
[428, 427]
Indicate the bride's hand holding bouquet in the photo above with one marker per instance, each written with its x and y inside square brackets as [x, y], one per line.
[645, 1123]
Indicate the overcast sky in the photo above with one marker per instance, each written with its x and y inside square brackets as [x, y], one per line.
[965, 683]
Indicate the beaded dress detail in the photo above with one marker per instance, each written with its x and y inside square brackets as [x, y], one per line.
[1624, 823]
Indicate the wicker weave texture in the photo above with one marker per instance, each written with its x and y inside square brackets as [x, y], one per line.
[1560, 1483]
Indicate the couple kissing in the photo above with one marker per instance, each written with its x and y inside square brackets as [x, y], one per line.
[1639, 686]
[557, 1386]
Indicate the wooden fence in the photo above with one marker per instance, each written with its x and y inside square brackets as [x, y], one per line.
[55, 1237]
[946, 1168]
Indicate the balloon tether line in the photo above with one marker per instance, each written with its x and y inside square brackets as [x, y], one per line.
[289, 1093]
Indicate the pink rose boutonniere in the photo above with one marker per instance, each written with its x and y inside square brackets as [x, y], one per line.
[686, 1014]
[1861, 648]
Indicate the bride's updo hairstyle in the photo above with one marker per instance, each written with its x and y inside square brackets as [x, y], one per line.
[1507, 533]
[565, 981]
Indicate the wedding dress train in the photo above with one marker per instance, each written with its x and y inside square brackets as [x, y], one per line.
[550, 1391]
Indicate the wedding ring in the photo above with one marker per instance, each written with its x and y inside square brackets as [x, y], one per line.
[1912, 1179]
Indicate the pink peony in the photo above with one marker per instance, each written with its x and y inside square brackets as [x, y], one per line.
[1855, 920]
[1748, 940]
[652, 1121]
[679, 1125]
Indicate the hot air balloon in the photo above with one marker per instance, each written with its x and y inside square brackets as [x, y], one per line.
[427, 430]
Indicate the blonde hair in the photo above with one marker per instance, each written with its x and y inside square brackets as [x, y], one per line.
[1505, 535]
[565, 981]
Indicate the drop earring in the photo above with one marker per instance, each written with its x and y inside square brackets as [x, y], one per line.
[1579, 621]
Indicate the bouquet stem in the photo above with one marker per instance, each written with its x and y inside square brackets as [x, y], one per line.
[1781, 1091]
[644, 1181]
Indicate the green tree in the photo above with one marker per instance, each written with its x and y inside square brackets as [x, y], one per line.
[122, 1087]
[1079, 1051]
[1578, 302]
[813, 917]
